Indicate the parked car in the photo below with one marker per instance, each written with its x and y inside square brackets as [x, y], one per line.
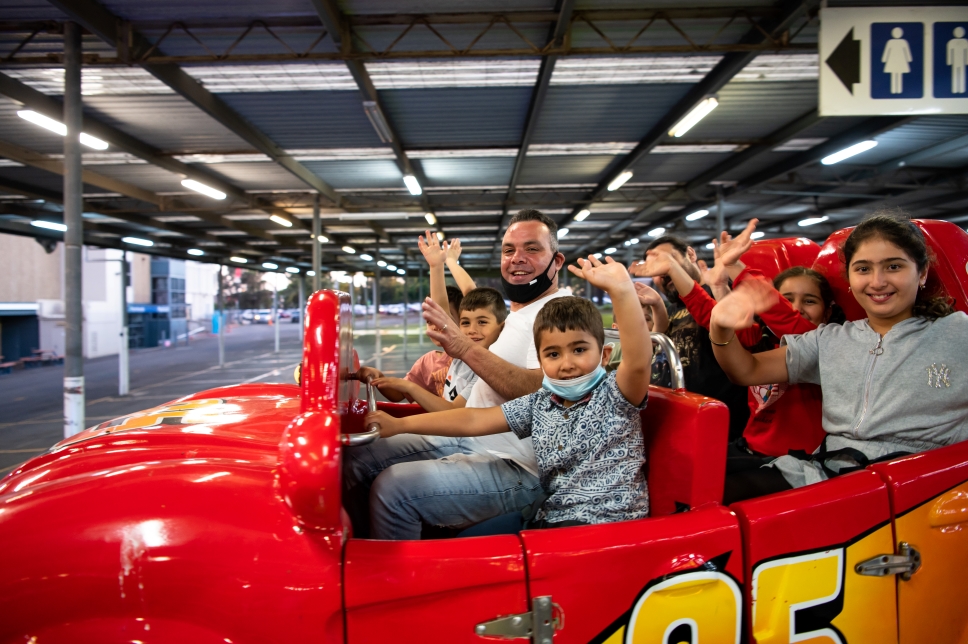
[295, 316]
[246, 316]
[262, 316]
[217, 518]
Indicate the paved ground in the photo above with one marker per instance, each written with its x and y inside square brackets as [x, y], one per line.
[31, 403]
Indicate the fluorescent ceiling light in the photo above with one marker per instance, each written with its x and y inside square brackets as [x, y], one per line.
[412, 184]
[191, 184]
[292, 269]
[619, 181]
[710, 246]
[323, 239]
[431, 220]
[610, 250]
[311, 273]
[240, 260]
[196, 252]
[757, 235]
[59, 128]
[400, 271]
[381, 264]
[366, 258]
[349, 249]
[279, 220]
[810, 221]
[391, 267]
[378, 121]
[583, 215]
[699, 214]
[695, 115]
[137, 241]
[597, 255]
[846, 153]
[633, 241]
[626, 243]
[562, 232]
[656, 232]
[440, 235]
[270, 266]
[49, 225]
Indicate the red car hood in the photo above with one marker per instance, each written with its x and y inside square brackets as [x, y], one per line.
[241, 424]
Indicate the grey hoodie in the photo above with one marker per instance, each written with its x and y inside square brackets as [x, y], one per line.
[907, 391]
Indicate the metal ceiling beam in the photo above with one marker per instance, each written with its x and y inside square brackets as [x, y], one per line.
[55, 166]
[108, 27]
[730, 65]
[866, 129]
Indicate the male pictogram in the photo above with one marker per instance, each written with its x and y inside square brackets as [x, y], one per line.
[957, 59]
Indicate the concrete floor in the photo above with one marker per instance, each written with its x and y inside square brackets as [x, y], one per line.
[31, 403]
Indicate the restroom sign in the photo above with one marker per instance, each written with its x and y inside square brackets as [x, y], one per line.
[893, 60]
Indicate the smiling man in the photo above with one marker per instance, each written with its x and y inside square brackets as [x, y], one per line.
[457, 482]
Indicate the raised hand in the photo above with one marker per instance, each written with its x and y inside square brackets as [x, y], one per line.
[647, 295]
[736, 310]
[442, 328]
[657, 263]
[606, 276]
[730, 249]
[430, 247]
[452, 249]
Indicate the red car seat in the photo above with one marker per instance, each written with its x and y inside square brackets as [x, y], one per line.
[948, 242]
[685, 440]
[773, 256]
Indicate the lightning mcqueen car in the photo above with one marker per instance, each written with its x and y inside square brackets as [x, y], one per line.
[216, 519]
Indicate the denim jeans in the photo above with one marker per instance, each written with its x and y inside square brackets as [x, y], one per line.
[413, 479]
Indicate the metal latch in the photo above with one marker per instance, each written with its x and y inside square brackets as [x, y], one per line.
[539, 625]
[906, 562]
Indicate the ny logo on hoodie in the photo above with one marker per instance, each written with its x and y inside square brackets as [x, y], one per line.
[938, 376]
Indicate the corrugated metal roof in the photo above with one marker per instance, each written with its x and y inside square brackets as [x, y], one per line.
[463, 172]
[358, 174]
[774, 105]
[458, 117]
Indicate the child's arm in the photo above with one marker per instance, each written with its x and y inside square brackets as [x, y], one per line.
[464, 281]
[435, 256]
[417, 394]
[729, 249]
[634, 372]
[700, 306]
[650, 298]
[781, 318]
[456, 422]
[736, 312]
[371, 374]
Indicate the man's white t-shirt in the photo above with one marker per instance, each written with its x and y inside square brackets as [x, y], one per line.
[515, 345]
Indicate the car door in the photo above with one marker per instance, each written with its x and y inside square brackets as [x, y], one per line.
[929, 494]
[674, 578]
[803, 549]
[430, 591]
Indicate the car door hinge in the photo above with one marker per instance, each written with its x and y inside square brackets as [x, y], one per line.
[539, 625]
[906, 562]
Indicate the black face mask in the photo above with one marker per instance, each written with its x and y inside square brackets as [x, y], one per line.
[524, 293]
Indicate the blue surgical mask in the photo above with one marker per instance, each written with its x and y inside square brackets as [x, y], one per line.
[576, 388]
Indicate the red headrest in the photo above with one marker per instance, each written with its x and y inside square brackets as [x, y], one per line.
[773, 256]
[948, 242]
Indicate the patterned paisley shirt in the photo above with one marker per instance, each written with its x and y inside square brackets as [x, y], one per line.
[590, 455]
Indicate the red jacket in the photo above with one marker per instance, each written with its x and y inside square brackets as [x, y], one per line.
[782, 417]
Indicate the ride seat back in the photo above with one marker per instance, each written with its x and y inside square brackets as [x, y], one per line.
[948, 242]
[773, 256]
[685, 441]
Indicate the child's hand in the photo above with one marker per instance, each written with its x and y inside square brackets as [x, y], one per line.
[395, 384]
[608, 276]
[389, 426]
[429, 245]
[368, 374]
[452, 249]
[647, 295]
[729, 249]
[657, 264]
[736, 310]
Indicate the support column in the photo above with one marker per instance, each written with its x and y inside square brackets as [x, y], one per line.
[420, 294]
[124, 380]
[73, 236]
[720, 218]
[302, 307]
[406, 304]
[378, 351]
[221, 320]
[275, 312]
[317, 227]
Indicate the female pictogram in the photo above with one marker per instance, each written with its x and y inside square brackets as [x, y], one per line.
[897, 59]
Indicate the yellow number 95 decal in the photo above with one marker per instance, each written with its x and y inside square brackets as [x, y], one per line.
[692, 608]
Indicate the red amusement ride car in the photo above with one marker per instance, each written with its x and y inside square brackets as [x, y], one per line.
[216, 518]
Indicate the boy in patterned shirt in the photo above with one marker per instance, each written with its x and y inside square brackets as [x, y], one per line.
[584, 423]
